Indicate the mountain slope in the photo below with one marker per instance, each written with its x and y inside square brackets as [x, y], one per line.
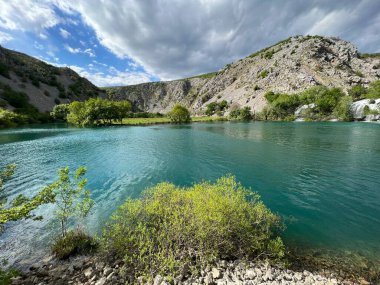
[290, 66]
[41, 85]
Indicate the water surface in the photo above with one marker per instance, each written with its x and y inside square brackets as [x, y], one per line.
[323, 178]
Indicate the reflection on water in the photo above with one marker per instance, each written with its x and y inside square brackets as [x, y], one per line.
[322, 176]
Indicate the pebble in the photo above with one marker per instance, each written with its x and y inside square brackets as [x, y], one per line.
[94, 272]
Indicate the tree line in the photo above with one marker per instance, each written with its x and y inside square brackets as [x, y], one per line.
[93, 112]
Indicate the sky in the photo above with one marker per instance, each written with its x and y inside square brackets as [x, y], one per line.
[123, 42]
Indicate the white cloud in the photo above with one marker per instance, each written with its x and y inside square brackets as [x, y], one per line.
[26, 15]
[88, 51]
[65, 34]
[43, 36]
[5, 37]
[117, 78]
[174, 39]
[71, 49]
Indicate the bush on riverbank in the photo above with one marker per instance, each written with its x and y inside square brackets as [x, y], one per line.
[74, 242]
[179, 114]
[172, 229]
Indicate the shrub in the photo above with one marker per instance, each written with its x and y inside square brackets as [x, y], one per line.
[215, 107]
[271, 96]
[243, 114]
[373, 90]
[10, 119]
[357, 91]
[342, 109]
[6, 276]
[74, 242]
[179, 114]
[264, 73]
[170, 228]
[60, 112]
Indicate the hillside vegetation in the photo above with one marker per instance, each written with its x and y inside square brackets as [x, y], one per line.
[32, 88]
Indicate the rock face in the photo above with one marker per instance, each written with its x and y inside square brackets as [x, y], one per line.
[362, 109]
[290, 66]
[44, 85]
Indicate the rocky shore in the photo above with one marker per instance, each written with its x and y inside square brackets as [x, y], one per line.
[93, 271]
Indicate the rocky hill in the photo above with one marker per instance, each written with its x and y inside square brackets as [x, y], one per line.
[290, 66]
[25, 81]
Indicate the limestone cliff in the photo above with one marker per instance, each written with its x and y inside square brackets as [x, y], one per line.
[289, 66]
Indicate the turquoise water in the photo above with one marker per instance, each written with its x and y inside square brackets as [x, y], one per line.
[323, 178]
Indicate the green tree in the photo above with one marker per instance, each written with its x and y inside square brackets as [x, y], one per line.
[179, 114]
[21, 207]
[10, 119]
[60, 112]
[97, 111]
[211, 109]
[71, 197]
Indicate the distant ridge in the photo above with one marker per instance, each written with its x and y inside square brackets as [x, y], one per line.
[290, 66]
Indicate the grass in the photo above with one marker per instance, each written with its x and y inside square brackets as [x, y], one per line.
[164, 120]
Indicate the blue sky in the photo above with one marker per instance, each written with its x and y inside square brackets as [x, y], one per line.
[124, 42]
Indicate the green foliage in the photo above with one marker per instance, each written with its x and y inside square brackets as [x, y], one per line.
[96, 111]
[170, 228]
[269, 54]
[20, 101]
[280, 43]
[74, 242]
[216, 107]
[4, 70]
[264, 73]
[357, 91]
[342, 109]
[60, 112]
[15, 99]
[327, 102]
[6, 276]
[10, 119]
[71, 197]
[179, 114]
[21, 207]
[373, 90]
[369, 55]
[243, 114]
[271, 96]
[204, 76]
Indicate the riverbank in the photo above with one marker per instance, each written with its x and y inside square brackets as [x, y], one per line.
[164, 120]
[94, 270]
